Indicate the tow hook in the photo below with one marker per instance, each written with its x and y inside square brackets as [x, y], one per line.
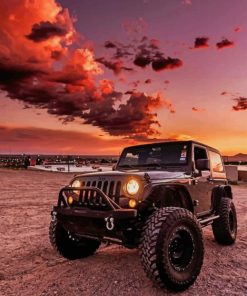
[53, 216]
[109, 223]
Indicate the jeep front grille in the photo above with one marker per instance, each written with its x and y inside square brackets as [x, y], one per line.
[110, 188]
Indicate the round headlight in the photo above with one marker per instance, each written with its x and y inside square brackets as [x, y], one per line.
[132, 187]
[76, 183]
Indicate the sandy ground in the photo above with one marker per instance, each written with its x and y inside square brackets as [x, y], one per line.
[29, 265]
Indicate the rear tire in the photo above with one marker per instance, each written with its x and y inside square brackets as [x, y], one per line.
[225, 228]
[172, 248]
[70, 247]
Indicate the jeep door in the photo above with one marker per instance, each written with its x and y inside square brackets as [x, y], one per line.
[203, 185]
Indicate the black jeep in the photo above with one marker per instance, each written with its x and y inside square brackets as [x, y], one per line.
[157, 199]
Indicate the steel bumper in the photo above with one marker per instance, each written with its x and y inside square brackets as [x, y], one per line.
[83, 220]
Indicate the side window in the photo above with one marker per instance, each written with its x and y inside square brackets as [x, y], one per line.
[199, 153]
[216, 162]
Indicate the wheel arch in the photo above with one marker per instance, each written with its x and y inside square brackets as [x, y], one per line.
[167, 195]
[219, 192]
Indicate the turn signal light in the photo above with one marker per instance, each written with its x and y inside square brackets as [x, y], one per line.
[70, 200]
[132, 203]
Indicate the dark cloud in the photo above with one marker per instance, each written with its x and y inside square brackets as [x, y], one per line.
[142, 60]
[116, 66]
[241, 104]
[129, 92]
[142, 53]
[201, 42]
[148, 81]
[74, 90]
[72, 93]
[45, 30]
[12, 72]
[166, 63]
[224, 43]
[134, 118]
[109, 44]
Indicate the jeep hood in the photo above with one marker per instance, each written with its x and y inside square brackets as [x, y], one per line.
[153, 174]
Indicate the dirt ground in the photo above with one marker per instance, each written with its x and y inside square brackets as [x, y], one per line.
[29, 265]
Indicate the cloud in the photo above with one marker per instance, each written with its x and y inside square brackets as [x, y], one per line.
[237, 29]
[41, 140]
[116, 66]
[45, 30]
[109, 44]
[29, 73]
[241, 104]
[134, 118]
[142, 53]
[195, 109]
[224, 43]
[201, 42]
[166, 63]
[142, 60]
[148, 81]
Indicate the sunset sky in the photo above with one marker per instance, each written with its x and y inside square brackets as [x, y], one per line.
[92, 76]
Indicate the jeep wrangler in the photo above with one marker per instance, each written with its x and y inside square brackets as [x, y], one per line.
[157, 198]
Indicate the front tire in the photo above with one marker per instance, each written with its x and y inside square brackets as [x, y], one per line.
[172, 248]
[70, 247]
[225, 228]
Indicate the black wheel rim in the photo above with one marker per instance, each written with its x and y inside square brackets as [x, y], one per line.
[181, 249]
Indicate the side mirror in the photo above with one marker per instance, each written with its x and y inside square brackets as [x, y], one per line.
[114, 167]
[202, 165]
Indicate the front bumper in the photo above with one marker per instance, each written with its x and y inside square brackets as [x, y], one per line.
[85, 220]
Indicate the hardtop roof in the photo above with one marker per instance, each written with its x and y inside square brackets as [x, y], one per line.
[190, 142]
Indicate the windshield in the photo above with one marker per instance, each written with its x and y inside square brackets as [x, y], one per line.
[156, 155]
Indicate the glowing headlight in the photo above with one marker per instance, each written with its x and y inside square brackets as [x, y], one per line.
[132, 187]
[76, 183]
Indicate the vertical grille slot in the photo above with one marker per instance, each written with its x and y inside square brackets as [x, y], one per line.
[105, 186]
[86, 197]
[99, 185]
[117, 192]
[111, 189]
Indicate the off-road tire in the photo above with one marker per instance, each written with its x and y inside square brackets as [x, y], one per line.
[70, 247]
[225, 228]
[157, 256]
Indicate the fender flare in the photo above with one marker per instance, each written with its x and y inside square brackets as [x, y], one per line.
[163, 195]
[217, 193]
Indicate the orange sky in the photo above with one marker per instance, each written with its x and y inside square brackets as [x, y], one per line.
[167, 70]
